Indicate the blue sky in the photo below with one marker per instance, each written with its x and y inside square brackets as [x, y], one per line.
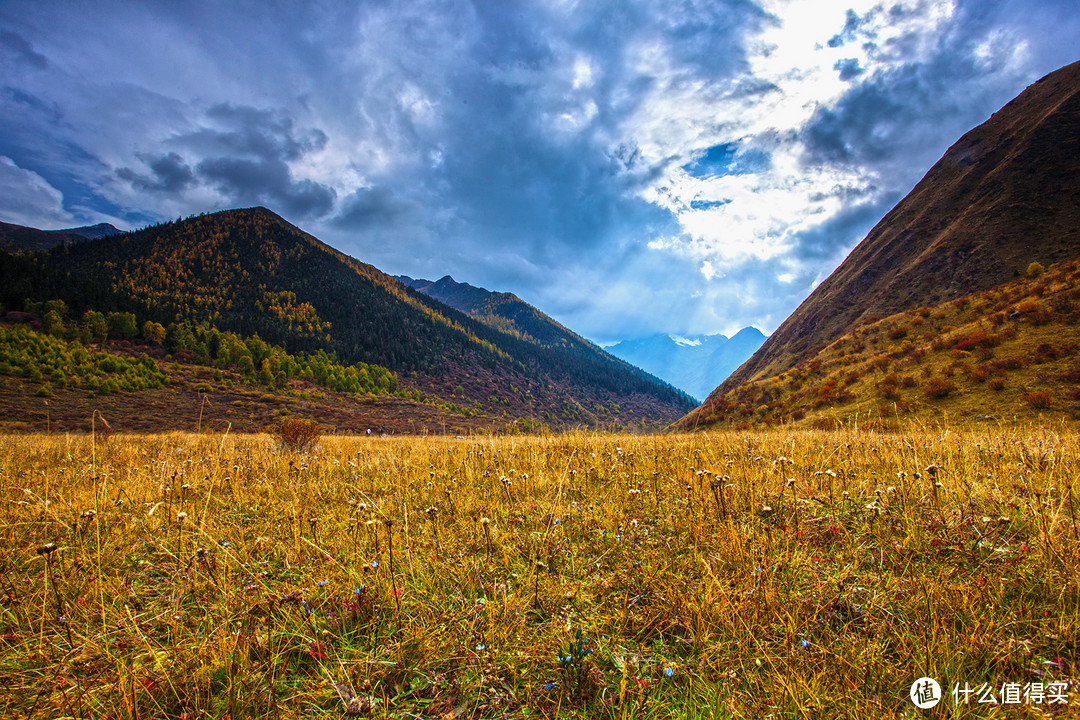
[629, 167]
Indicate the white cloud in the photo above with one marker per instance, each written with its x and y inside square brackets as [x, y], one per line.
[757, 212]
[29, 199]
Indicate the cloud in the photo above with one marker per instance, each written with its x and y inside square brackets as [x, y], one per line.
[17, 47]
[29, 198]
[371, 207]
[849, 68]
[244, 154]
[171, 174]
[688, 167]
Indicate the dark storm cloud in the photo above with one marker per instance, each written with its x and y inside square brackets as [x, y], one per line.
[899, 115]
[170, 174]
[373, 207]
[15, 46]
[243, 153]
[513, 143]
[824, 242]
[849, 68]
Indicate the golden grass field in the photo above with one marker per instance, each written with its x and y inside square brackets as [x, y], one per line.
[772, 574]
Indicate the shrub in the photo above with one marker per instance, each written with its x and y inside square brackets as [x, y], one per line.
[296, 434]
[997, 384]
[882, 362]
[1039, 399]
[976, 338]
[939, 388]
[889, 392]
[1035, 269]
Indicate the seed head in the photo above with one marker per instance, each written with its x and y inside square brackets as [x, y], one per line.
[46, 549]
[181, 516]
[484, 521]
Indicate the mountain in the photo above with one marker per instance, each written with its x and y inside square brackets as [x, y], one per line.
[506, 312]
[250, 273]
[1003, 196]
[695, 364]
[91, 232]
[34, 239]
[1004, 354]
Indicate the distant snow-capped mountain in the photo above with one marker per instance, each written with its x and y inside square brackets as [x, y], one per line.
[693, 363]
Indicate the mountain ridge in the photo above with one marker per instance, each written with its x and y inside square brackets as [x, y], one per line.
[695, 367]
[1004, 195]
[249, 271]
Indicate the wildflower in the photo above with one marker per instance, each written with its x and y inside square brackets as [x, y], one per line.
[321, 583]
[805, 644]
[481, 647]
[550, 685]
[359, 590]
[669, 671]
[374, 564]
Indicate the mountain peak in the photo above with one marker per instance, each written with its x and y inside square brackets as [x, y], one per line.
[1002, 196]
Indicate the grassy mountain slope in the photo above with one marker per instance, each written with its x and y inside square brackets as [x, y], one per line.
[1000, 354]
[250, 272]
[1004, 195]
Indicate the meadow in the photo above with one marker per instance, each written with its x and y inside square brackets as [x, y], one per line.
[726, 574]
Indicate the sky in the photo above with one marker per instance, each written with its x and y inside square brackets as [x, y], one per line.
[628, 166]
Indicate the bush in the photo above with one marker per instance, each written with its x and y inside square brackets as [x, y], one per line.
[1035, 269]
[296, 434]
[939, 387]
[1040, 399]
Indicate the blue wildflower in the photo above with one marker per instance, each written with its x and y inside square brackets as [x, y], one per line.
[321, 583]
[805, 644]
[550, 685]
[374, 563]
[669, 671]
[481, 647]
[358, 590]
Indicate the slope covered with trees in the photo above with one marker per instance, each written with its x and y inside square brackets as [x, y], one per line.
[250, 273]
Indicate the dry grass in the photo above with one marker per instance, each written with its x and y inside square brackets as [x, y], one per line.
[713, 575]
